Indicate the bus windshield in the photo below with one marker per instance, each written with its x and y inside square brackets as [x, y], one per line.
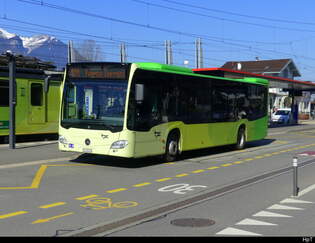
[94, 104]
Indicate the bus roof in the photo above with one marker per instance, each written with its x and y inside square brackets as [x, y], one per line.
[187, 71]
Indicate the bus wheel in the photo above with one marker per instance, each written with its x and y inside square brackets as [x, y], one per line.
[172, 147]
[241, 139]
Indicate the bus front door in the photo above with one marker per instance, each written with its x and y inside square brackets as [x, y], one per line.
[148, 143]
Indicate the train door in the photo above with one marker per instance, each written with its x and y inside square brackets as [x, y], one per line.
[37, 111]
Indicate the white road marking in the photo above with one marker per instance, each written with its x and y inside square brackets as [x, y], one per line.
[253, 222]
[306, 190]
[270, 214]
[234, 231]
[283, 207]
[7, 166]
[291, 200]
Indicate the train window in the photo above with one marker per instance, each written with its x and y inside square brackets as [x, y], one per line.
[4, 93]
[36, 94]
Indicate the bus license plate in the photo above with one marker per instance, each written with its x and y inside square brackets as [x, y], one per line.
[86, 150]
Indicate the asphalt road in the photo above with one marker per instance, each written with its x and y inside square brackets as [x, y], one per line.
[44, 192]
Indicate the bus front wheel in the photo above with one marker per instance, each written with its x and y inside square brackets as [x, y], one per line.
[241, 139]
[172, 147]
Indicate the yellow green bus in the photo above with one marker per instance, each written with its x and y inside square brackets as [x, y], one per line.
[145, 109]
[36, 111]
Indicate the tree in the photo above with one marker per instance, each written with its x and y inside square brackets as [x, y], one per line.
[88, 50]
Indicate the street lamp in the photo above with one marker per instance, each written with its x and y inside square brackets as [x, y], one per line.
[12, 97]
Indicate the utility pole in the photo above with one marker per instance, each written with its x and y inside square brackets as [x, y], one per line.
[199, 54]
[123, 54]
[168, 52]
[70, 53]
[12, 98]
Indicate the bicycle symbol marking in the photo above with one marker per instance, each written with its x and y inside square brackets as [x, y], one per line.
[100, 203]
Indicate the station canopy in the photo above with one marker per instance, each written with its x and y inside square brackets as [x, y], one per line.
[274, 82]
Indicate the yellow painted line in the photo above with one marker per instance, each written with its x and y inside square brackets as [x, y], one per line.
[16, 188]
[182, 175]
[52, 205]
[164, 179]
[259, 157]
[70, 165]
[249, 159]
[9, 215]
[142, 184]
[213, 168]
[226, 165]
[86, 197]
[116, 190]
[35, 182]
[281, 142]
[238, 162]
[51, 218]
[197, 171]
[38, 177]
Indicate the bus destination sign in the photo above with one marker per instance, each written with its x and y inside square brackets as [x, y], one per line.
[98, 71]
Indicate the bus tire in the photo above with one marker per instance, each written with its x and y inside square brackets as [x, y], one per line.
[241, 139]
[172, 147]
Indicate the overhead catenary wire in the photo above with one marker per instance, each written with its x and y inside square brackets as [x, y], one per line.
[219, 40]
[205, 37]
[240, 14]
[221, 18]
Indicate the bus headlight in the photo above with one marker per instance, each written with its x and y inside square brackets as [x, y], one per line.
[63, 140]
[120, 144]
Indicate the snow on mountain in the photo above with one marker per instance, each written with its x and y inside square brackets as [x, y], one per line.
[37, 41]
[6, 35]
[44, 47]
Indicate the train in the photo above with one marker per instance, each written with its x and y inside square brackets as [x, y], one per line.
[37, 102]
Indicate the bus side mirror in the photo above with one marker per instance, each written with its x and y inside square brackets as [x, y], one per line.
[139, 93]
[46, 83]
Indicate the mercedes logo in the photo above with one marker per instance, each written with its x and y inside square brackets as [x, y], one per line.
[87, 141]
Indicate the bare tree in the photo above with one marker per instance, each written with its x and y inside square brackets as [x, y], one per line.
[88, 50]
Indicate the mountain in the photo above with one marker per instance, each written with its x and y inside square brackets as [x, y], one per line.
[44, 47]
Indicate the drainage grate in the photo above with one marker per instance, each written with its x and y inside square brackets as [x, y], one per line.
[192, 222]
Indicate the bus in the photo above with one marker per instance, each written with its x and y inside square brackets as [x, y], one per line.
[36, 111]
[135, 110]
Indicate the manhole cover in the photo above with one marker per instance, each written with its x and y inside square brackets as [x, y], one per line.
[193, 222]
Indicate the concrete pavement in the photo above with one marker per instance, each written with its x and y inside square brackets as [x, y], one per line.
[264, 208]
[48, 150]
[33, 152]
[44, 152]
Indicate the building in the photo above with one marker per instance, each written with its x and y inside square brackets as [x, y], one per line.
[284, 68]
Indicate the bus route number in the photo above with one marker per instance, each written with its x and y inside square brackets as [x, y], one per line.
[180, 188]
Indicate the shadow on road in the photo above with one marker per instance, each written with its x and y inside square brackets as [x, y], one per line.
[156, 160]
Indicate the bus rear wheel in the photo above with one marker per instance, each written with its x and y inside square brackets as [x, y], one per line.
[172, 147]
[241, 139]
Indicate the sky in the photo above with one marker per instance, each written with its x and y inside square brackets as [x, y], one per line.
[230, 30]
